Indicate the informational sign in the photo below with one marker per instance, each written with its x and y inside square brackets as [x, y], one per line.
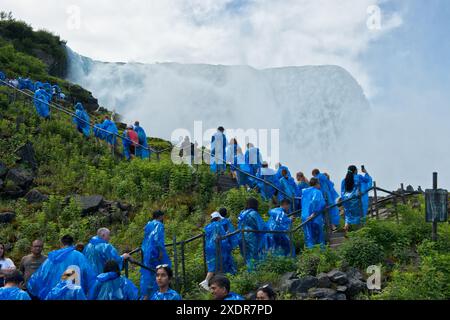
[436, 205]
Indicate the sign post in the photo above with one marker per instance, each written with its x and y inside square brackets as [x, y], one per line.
[436, 206]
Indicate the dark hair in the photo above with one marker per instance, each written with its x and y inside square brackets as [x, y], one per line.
[269, 291]
[221, 281]
[252, 203]
[315, 172]
[136, 123]
[157, 214]
[221, 129]
[14, 277]
[350, 179]
[313, 182]
[4, 249]
[285, 201]
[223, 212]
[67, 240]
[111, 266]
[167, 269]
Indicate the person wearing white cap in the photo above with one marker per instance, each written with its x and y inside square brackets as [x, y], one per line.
[212, 231]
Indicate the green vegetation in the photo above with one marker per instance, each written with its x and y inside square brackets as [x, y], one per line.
[413, 267]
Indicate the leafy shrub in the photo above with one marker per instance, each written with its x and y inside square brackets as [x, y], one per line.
[316, 260]
[361, 252]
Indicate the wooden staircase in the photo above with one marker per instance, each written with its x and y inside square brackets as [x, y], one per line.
[225, 183]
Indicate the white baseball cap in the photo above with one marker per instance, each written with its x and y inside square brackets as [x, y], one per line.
[216, 215]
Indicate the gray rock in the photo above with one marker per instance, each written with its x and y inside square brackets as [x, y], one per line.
[322, 293]
[354, 273]
[35, 196]
[89, 204]
[20, 177]
[324, 281]
[288, 276]
[340, 296]
[301, 296]
[27, 155]
[355, 286]
[3, 170]
[338, 277]
[7, 217]
[341, 289]
[303, 285]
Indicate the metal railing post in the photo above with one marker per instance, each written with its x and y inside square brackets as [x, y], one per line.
[175, 261]
[402, 187]
[204, 254]
[361, 206]
[183, 264]
[291, 243]
[394, 200]
[375, 200]
[126, 268]
[244, 246]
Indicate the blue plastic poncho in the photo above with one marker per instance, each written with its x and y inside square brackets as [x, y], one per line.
[98, 252]
[169, 295]
[82, 120]
[254, 159]
[279, 244]
[66, 290]
[313, 202]
[279, 173]
[233, 156]
[49, 89]
[229, 266]
[2, 76]
[243, 178]
[212, 232]
[41, 102]
[254, 242]
[142, 151]
[233, 296]
[49, 273]
[126, 143]
[366, 182]
[289, 187]
[106, 131]
[218, 149]
[330, 194]
[300, 186]
[38, 85]
[112, 286]
[354, 209]
[152, 247]
[266, 190]
[13, 293]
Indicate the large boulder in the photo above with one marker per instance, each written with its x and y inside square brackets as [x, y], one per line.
[303, 285]
[354, 273]
[338, 277]
[7, 217]
[27, 155]
[89, 204]
[20, 177]
[354, 287]
[324, 281]
[322, 293]
[35, 196]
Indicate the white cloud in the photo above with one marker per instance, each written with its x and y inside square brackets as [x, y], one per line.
[264, 33]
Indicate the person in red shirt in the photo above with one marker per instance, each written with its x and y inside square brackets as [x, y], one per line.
[130, 141]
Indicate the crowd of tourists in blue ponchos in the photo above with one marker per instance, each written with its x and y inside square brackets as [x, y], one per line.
[94, 272]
